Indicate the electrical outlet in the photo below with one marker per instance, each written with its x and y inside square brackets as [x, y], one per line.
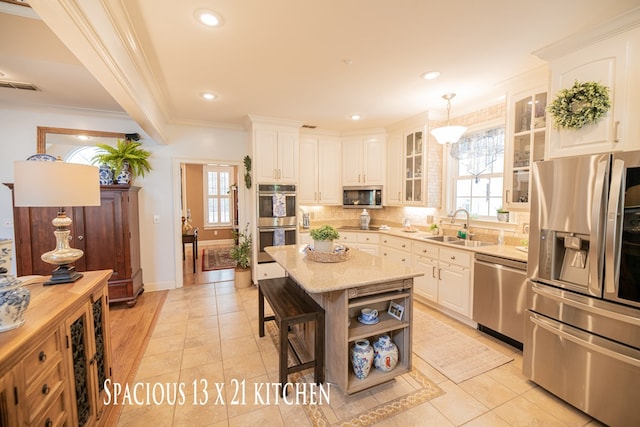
[525, 228]
[156, 219]
[7, 223]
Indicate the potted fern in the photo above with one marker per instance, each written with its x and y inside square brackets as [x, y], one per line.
[323, 238]
[126, 159]
[241, 254]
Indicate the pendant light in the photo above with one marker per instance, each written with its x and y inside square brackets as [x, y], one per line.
[448, 134]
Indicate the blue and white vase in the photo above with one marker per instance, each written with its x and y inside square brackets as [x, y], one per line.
[106, 175]
[361, 358]
[124, 177]
[14, 300]
[385, 354]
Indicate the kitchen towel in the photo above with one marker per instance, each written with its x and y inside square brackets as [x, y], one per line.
[279, 205]
[278, 237]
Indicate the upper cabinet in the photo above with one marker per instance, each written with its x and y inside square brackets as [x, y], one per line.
[410, 182]
[363, 160]
[612, 59]
[276, 154]
[320, 162]
[526, 129]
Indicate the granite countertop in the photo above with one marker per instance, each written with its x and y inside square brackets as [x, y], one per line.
[360, 269]
[505, 251]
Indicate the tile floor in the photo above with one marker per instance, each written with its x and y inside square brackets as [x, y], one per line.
[210, 331]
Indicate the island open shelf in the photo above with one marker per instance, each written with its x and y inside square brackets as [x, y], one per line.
[343, 290]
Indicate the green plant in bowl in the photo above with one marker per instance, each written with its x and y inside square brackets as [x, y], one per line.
[326, 232]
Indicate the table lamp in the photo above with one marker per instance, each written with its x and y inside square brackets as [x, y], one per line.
[57, 184]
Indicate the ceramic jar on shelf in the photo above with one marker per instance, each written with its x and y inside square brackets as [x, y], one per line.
[14, 300]
[385, 354]
[361, 358]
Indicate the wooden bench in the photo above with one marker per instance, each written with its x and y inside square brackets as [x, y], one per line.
[291, 306]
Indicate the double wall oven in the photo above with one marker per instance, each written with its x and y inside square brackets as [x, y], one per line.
[582, 329]
[277, 220]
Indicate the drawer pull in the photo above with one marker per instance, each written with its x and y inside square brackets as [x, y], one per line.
[453, 257]
[403, 246]
[42, 356]
[48, 423]
[46, 389]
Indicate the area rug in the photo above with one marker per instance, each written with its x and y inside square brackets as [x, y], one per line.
[456, 355]
[217, 258]
[419, 389]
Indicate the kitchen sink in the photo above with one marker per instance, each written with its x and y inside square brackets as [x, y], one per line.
[445, 239]
[471, 243]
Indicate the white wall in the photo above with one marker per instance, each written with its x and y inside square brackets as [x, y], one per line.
[160, 243]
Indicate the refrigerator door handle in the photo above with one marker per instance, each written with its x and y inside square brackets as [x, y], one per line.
[566, 333]
[612, 238]
[595, 281]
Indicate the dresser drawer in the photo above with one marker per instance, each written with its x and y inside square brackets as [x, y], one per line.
[461, 258]
[54, 415]
[44, 390]
[42, 357]
[397, 243]
[428, 250]
[347, 237]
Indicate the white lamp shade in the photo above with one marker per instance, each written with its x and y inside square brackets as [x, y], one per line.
[448, 134]
[57, 184]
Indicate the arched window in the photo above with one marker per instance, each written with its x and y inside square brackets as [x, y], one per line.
[82, 155]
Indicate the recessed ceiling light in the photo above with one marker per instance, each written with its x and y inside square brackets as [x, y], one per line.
[430, 75]
[209, 18]
[208, 96]
[355, 117]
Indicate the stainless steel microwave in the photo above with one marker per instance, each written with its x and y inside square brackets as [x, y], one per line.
[362, 197]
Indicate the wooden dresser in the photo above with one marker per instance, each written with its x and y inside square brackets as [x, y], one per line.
[108, 234]
[53, 368]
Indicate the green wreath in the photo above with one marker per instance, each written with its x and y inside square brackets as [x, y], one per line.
[580, 105]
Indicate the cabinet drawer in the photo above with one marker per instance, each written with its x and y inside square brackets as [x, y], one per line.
[396, 255]
[397, 243]
[44, 390]
[425, 249]
[55, 414]
[368, 238]
[348, 237]
[461, 258]
[42, 357]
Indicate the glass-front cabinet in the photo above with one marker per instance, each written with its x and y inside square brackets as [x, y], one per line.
[527, 129]
[414, 167]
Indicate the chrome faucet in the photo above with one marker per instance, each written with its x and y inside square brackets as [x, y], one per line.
[466, 225]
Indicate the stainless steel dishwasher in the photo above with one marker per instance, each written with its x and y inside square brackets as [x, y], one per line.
[500, 297]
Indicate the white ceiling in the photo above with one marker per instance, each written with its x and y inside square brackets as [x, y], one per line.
[317, 62]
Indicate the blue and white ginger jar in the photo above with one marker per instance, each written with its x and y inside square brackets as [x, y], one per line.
[385, 354]
[124, 177]
[14, 300]
[106, 175]
[361, 358]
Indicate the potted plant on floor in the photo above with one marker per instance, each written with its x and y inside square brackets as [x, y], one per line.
[126, 159]
[241, 254]
[323, 238]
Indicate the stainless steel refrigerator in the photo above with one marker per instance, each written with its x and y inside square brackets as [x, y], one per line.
[582, 329]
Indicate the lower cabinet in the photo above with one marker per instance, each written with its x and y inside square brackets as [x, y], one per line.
[397, 249]
[447, 276]
[365, 241]
[53, 368]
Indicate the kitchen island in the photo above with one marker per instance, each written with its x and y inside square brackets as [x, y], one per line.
[343, 289]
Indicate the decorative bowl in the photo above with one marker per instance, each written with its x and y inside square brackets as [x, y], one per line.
[14, 300]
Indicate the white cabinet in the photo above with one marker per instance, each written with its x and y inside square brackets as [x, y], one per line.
[526, 128]
[447, 276]
[425, 259]
[414, 162]
[454, 280]
[319, 181]
[276, 155]
[363, 160]
[396, 249]
[612, 62]
[393, 190]
[365, 241]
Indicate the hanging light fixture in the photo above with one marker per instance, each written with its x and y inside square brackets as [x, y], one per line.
[448, 134]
